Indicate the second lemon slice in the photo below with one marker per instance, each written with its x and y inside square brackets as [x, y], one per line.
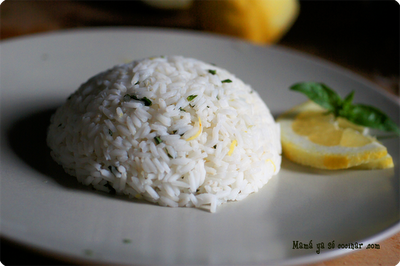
[311, 137]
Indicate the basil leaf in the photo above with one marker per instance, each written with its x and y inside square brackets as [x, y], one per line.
[359, 114]
[320, 94]
[346, 105]
[371, 117]
[348, 100]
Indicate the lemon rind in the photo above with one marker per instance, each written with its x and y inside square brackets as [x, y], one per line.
[300, 149]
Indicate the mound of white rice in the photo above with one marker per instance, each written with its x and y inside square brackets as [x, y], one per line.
[172, 130]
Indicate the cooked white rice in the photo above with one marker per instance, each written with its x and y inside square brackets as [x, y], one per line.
[172, 130]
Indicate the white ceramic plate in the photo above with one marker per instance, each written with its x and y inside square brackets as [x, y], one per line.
[44, 208]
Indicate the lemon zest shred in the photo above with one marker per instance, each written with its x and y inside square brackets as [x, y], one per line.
[198, 132]
[232, 147]
[269, 160]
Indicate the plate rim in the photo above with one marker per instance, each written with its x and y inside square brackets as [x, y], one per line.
[386, 233]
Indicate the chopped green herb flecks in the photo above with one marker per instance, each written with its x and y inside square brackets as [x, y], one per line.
[146, 101]
[169, 155]
[217, 97]
[181, 109]
[215, 146]
[226, 81]
[126, 241]
[157, 140]
[191, 97]
[213, 72]
[128, 97]
[110, 132]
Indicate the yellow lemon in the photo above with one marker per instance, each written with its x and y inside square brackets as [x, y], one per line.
[259, 21]
[312, 137]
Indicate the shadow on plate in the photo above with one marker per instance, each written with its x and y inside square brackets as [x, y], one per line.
[27, 139]
[298, 168]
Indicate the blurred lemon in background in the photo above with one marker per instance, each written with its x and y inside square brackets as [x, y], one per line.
[259, 21]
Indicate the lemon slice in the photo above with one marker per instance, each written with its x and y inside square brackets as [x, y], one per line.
[312, 137]
[381, 163]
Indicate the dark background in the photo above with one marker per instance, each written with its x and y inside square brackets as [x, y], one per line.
[357, 34]
[362, 35]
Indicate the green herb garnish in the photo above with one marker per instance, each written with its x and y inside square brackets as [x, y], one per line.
[110, 132]
[359, 114]
[226, 81]
[191, 97]
[181, 109]
[169, 155]
[126, 241]
[146, 101]
[213, 72]
[157, 140]
[128, 97]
